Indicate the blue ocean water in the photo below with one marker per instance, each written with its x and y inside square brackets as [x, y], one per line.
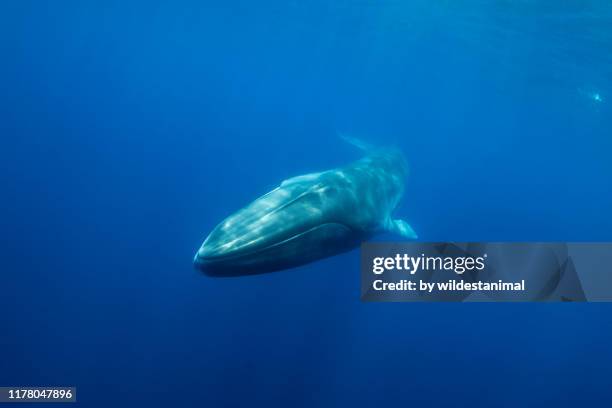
[129, 129]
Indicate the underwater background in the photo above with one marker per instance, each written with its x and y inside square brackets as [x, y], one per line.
[128, 130]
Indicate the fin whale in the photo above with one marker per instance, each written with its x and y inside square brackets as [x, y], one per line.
[310, 217]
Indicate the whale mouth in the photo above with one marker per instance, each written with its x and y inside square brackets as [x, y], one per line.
[209, 260]
[317, 242]
[212, 254]
[208, 254]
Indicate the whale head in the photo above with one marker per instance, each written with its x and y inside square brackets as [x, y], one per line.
[281, 229]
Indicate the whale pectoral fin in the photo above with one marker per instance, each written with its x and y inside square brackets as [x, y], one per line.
[401, 227]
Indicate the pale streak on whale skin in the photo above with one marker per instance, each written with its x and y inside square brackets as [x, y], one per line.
[310, 217]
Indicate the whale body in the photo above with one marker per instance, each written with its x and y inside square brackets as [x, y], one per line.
[310, 217]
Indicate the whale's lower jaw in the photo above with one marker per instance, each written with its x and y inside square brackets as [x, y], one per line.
[319, 242]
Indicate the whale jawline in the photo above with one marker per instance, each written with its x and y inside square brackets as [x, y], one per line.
[339, 238]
